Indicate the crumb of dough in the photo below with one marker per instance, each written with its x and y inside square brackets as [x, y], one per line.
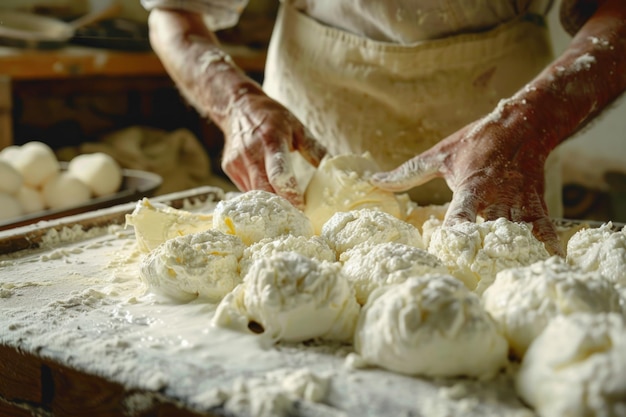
[257, 214]
[203, 264]
[314, 247]
[292, 298]
[523, 300]
[430, 326]
[577, 367]
[341, 183]
[476, 252]
[345, 230]
[369, 267]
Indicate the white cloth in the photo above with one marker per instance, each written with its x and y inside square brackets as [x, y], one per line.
[357, 95]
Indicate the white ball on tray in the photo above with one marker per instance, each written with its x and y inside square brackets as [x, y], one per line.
[30, 199]
[65, 190]
[99, 171]
[36, 162]
[11, 179]
[9, 206]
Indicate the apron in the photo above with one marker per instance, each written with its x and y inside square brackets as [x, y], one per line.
[394, 101]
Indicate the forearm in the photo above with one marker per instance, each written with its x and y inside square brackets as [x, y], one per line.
[206, 76]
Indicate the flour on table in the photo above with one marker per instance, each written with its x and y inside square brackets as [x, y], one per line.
[341, 183]
[369, 267]
[524, 300]
[600, 249]
[476, 252]
[345, 230]
[312, 247]
[430, 326]
[577, 367]
[203, 264]
[256, 215]
[290, 297]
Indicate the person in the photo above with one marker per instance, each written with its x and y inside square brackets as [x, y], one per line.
[457, 101]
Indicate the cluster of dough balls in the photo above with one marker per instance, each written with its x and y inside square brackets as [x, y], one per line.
[33, 180]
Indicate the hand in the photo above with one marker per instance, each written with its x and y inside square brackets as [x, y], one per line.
[259, 136]
[494, 171]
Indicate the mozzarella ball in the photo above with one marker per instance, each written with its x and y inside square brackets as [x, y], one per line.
[430, 326]
[9, 206]
[290, 297]
[577, 367]
[65, 190]
[255, 215]
[345, 230]
[37, 163]
[30, 199]
[9, 153]
[524, 300]
[198, 265]
[99, 171]
[10, 178]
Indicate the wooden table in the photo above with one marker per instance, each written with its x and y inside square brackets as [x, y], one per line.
[75, 62]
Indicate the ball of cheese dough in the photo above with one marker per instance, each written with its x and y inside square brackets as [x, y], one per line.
[345, 230]
[64, 190]
[577, 367]
[99, 171]
[204, 265]
[312, 247]
[293, 298]
[341, 183]
[600, 249]
[523, 300]
[9, 207]
[30, 199]
[257, 214]
[37, 163]
[476, 252]
[10, 178]
[9, 153]
[369, 267]
[430, 326]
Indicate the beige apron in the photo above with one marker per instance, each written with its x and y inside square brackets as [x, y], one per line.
[395, 101]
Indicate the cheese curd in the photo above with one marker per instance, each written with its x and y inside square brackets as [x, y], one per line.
[290, 297]
[311, 247]
[369, 267]
[476, 252]
[524, 300]
[430, 326]
[577, 367]
[345, 230]
[203, 264]
[257, 214]
[600, 249]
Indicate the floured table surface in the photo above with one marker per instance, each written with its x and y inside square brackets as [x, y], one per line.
[81, 336]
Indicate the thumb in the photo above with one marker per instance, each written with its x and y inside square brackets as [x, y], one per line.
[414, 172]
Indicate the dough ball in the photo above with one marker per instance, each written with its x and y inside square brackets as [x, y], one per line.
[430, 326]
[157, 223]
[369, 267]
[37, 163]
[64, 190]
[204, 265]
[341, 183]
[9, 153]
[476, 252]
[293, 298]
[255, 215]
[312, 247]
[523, 300]
[11, 179]
[345, 230]
[99, 171]
[9, 207]
[600, 250]
[30, 199]
[577, 367]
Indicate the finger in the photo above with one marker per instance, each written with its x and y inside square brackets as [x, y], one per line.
[412, 173]
[545, 230]
[495, 211]
[239, 177]
[462, 208]
[310, 149]
[281, 176]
